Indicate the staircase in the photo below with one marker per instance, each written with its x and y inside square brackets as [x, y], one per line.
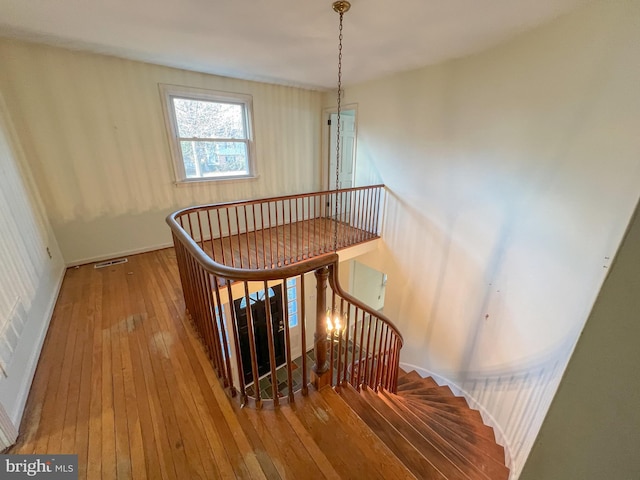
[432, 432]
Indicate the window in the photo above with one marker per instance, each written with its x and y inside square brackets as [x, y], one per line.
[209, 132]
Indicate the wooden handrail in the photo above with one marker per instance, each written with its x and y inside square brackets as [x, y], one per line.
[236, 235]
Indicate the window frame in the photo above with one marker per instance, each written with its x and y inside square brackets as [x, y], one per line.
[168, 93]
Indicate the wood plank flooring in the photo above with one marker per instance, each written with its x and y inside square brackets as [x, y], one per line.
[124, 383]
[284, 244]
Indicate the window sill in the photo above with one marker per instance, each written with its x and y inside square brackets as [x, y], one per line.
[200, 181]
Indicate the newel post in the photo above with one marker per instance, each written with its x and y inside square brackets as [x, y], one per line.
[320, 371]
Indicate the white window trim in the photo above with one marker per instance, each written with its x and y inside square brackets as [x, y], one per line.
[167, 93]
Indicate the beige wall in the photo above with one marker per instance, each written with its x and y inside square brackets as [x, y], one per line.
[29, 278]
[512, 176]
[592, 430]
[93, 130]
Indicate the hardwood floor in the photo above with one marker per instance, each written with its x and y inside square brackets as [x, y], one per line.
[283, 245]
[123, 382]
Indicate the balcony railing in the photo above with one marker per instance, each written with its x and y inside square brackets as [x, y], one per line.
[238, 262]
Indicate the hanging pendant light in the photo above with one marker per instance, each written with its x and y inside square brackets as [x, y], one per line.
[340, 7]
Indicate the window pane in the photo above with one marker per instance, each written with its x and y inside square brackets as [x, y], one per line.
[293, 320]
[214, 159]
[201, 119]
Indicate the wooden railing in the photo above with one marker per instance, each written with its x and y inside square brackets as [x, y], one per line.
[229, 253]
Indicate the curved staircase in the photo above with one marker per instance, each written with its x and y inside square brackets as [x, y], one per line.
[432, 432]
[395, 424]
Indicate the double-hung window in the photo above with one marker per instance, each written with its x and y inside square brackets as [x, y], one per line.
[210, 133]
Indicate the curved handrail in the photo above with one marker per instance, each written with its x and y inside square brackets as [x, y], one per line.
[202, 276]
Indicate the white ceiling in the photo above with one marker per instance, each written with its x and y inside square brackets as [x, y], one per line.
[292, 42]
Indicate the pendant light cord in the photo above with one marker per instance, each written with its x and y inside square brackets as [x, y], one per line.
[337, 202]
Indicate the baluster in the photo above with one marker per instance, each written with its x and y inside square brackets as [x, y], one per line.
[332, 337]
[213, 251]
[230, 236]
[302, 318]
[339, 366]
[346, 344]
[238, 235]
[366, 362]
[374, 355]
[378, 203]
[270, 235]
[236, 344]
[362, 215]
[223, 332]
[264, 245]
[246, 233]
[382, 355]
[221, 236]
[252, 348]
[272, 354]
[287, 339]
[255, 233]
[360, 358]
[215, 337]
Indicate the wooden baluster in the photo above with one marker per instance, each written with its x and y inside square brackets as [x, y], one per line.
[213, 251]
[272, 354]
[236, 344]
[346, 343]
[339, 366]
[387, 367]
[332, 337]
[369, 212]
[221, 236]
[375, 359]
[252, 347]
[262, 231]
[354, 379]
[319, 376]
[302, 318]
[229, 234]
[246, 233]
[270, 235]
[238, 235]
[360, 357]
[287, 339]
[362, 213]
[223, 333]
[213, 326]
[383, 353]
[368, 350]
[277, 262]
[377, 209]
[289, 239]
[394, 366]
[309, 223]
[255, 233]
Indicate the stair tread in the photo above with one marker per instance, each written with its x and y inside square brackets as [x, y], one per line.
[471, 461]
[414, 376]
[457, 401]
[483, 452]
[423, 383]
[461, 411]
[420, 465]
[450, 420]
[346, 441]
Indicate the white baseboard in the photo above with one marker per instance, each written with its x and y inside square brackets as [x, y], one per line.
[25, 387]
[113, 255]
